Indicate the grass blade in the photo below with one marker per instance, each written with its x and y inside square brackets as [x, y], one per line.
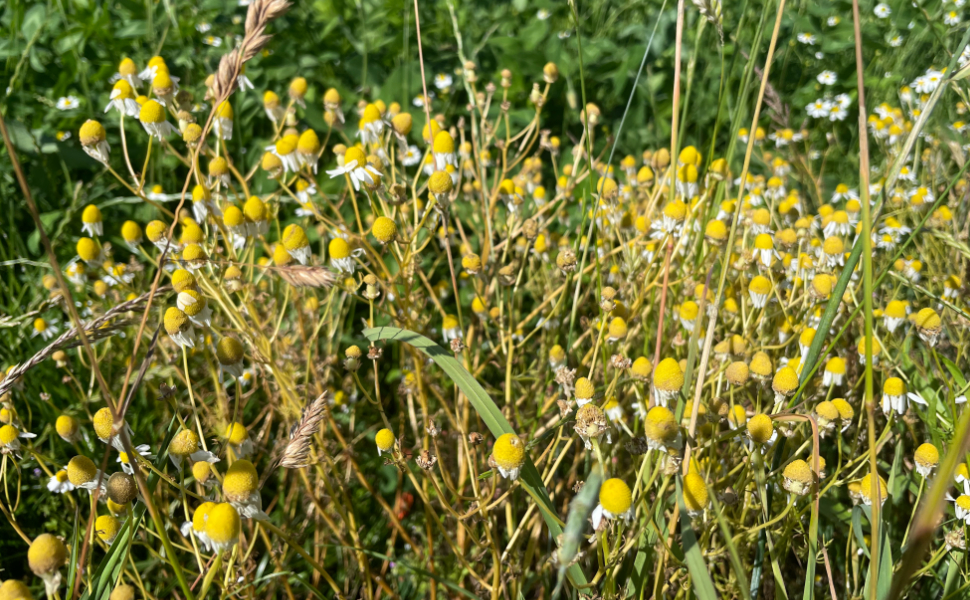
[489, 413]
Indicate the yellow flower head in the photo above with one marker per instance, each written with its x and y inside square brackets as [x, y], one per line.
[175, 321]
[440, 183]
[660, 425]
[240, 481]
[785, 381]
[846, 412]
[182, 280]
[81, 470]
[927, 455]
[88, 249]
[509, 455]
[737, 373]
[185, 443]
[107, 527]
[151, 112]
[338, 248]
[641, 368]
[798, 477]
[584, 389]
[222, 525]
[66, 427]
[47, 554]
[385, 440]
[229, 351]
[668, 376]
[760, 428]
[384, 229]
[615, 496]
[696, 497]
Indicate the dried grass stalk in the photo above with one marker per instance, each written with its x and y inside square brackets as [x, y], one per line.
[261, 12]
[95, 330]
[297, 452]
[301, 276]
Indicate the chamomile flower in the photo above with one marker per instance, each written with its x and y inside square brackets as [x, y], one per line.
[179, 327]
[866, 490]
[894, 396]
[761, 430]
[584, 391]
[592, 424]
[127, 71]
[271, 104]
[827, 77]
[357, 168]
[759, 289]
[661, 429]
[411, 156]
[46, 555]
[696, 496]
[222, 527]
[385, 441]
[296, 243]
[195, 307]
[185, 445]
[197, 525]
[106, 431]
[122, 99]
[45, 329]
[222, 122]
[107, 528]
[342, 255]
[450, 329]
[798, 477]
[371, 125]
[834, 372]
[894, 314]
[926, 459]
[83, 473]
[94, 142]
[240, 487]
[297, 91]
[819, 109]
[615, 502]
[125, 461]
[68, 103]
[229, 353]
[668, 379]
[10, 437]
[928, 325]
[59, 483]
[152, 117]
[882, 10]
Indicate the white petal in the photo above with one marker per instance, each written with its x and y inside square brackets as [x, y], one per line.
[597, 516]
[916, 397]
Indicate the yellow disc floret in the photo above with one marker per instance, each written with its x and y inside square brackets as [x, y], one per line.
[384, 440]
[615, 496]
[760, 428]
[240, 482]
[47, 554]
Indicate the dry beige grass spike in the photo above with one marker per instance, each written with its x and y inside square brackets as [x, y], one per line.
[297, 452]
[309, 276]
[260, 13]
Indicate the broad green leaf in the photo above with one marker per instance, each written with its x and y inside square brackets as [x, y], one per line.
[489, 413]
